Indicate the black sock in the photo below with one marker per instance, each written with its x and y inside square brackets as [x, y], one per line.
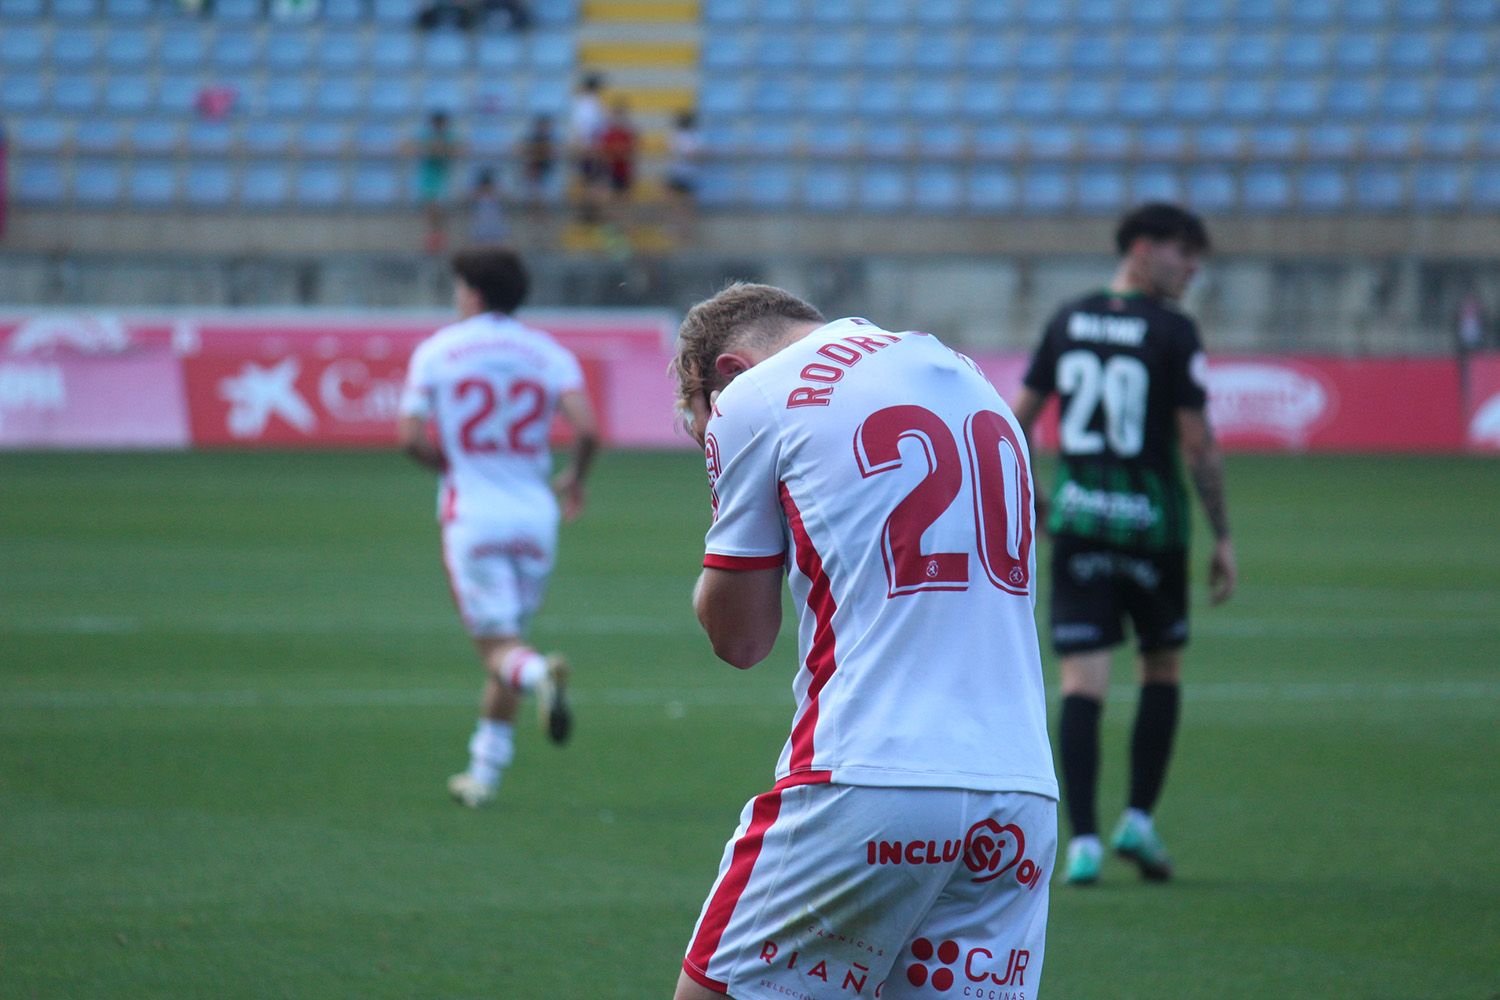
[1151, 743]
[1078, 735]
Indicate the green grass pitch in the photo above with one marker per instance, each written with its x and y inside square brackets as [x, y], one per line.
[231, 687]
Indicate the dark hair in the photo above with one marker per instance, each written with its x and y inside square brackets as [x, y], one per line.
[496, 274]
[1162, 222]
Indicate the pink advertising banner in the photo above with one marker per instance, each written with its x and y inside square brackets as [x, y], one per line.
[320, 380]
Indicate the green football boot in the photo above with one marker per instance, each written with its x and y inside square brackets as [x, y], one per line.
[1135, 839]
[1085, 856]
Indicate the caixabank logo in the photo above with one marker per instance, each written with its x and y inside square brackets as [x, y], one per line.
[979, 972]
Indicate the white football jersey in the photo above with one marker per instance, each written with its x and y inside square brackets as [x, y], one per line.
[491, 385]
[891, 480]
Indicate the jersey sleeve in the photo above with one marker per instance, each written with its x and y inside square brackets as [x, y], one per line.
[1189, 375]
[1041, 376]
[416, 393]
[742, 449]
[569, 373]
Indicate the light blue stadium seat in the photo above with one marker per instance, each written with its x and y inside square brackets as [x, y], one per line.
[1480, 12]
[940, 13]
[993, 13]
[1101, 190]
[1307, 53]
[1365, 12]
[393, 96]
[886, 13]
[1218, 141]
[127, 48]
[1487, 138]
[1311, 13]
[725, 97]
[152, 184]
[266, 136]
[494, 138]
[932, 98]
[1484, 187]
[1468, 50]
[21, 46]
[1151, 13]
[1297, 100]
[1106, 141]
[1097, 14]
[1252, 54]
[775, 51]
[1323, 189]
[344, 11]
[1439, 186]
[1379, 188]
[548, 97]
[1445, 138]
[74, 47]
[937, 188]
[377, 139]
[183, 47]
[883, 189]
[1275, 142]
[288, 49]
[833, 13]
[38, 181]
[15, 11]
[177, 93]
[1042, 16]
[983, 99]
[41, 135]
[838, 137]
[1332, 139]
[1459, 96]
[834, 52]
[208, 137]
[1045, 189]
[1351, 98]
[1035, 100]
[775, 95]
[98, 182]
[551, 51]
[717, 185]
[1091, 54]
[1206, 13]
[374, 184]
[828, 188]
[992, 189]
[727, 12]
[943, 139]
[555, 13]
[393, 51]
[1403, 97]
[893, 54]
[722, 51]
[1419, 12]
[887, 137]
[1199, 53]
[835, 97]
[1138, 100]
[937, 52]
[130, 95]
[1051, 142]
[1244, 99]
[1360, 52]
[21, 93]
[771, 136]
[342, 50]
[128, 10]
[157, 136]
[500, 52]
[265, 184]
[879, 97]
[1388, 139]
[1040, 54]
[338, 97]
[288, 95]
[1256, 13]
[1412, 52]
[1192, 100]
[1154, 183]
[234, 50]
[321, 137]
[985, 52]
[1086, 100]
[76, 94]
[319, 184]
[99, 135]
[1145, 54]
[998, 141]
[73, 10]
[208, 184]
[780, 13]
[1211, 189]
[1163, 142]
[237, 12]
[395, 13]
[769, 185]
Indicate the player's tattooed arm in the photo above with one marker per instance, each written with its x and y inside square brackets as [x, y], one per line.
[1206, 465]
[411, 435]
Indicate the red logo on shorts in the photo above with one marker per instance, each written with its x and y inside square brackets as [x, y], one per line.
[981, 966]
[991, 850]
[922, 951]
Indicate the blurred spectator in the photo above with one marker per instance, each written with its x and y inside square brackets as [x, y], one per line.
[437, 148]
[486, 214]
[586, 121]
[618, 146]
[538, 159]
[215, 101]
[684, 152]
[1468, 338]
[295, 10]
[467, 14]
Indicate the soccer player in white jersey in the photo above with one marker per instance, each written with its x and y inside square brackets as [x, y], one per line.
[478, 406]
[907, 842]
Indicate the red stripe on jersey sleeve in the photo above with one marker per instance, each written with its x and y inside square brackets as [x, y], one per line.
[727, 896]
[741, 563]
[822, 659]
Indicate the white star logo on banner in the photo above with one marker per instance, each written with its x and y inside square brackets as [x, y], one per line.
[257, 393]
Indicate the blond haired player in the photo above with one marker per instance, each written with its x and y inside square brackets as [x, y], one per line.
[906, 843]
[478, 405]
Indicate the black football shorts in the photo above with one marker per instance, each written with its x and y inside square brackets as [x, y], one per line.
[1095, 587]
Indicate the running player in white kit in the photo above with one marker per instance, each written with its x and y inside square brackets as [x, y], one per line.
[478, 406]
[908, 840]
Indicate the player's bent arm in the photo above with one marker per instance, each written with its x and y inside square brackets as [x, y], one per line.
[1027, 406]
[579, 413]
[741, 612]
[411, 435]
[1205, 464]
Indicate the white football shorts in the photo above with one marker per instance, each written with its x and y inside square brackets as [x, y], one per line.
[498, 574]
[857, 891]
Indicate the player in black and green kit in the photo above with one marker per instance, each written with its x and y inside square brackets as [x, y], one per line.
[1129, 373]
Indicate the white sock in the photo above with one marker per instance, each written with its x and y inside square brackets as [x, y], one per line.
[523, 668]
[1088, 841]
[490, 751]
[1137, 818]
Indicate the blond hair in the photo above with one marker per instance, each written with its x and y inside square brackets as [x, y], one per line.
[741, 313]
